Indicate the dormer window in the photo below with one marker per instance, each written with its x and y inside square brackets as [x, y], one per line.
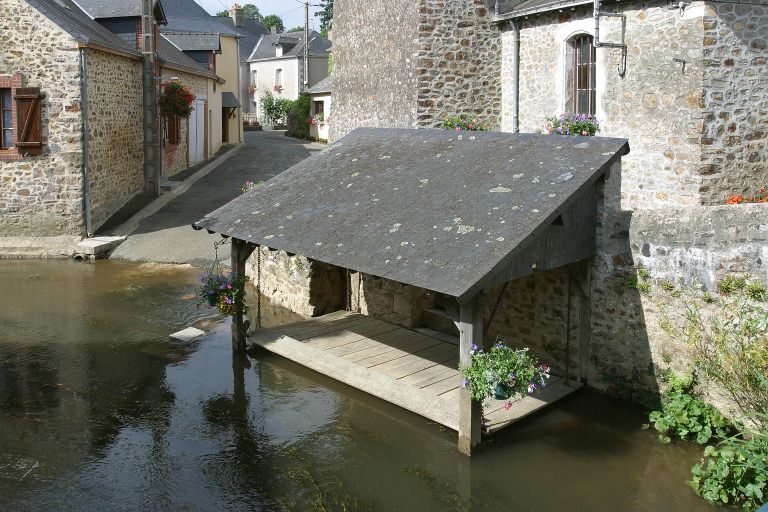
[278, 50]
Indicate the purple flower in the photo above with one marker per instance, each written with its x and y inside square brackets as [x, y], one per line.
[531, 387]
[474, 347]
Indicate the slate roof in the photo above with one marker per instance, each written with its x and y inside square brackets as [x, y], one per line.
[293, 46]
[114, 8]
[72, 19]
[187, 17]
[322, 86]
[250, 33]
[170, 55]
[437, 209]
[194, 42]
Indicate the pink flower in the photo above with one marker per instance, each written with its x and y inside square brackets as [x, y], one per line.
[584, 132]
[507, 406]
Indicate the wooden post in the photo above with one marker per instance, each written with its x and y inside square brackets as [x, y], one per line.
[581, 273]
[470, 411]
[241, 250]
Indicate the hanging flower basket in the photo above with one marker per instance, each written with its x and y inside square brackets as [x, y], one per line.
[224, 292]
[175, 100]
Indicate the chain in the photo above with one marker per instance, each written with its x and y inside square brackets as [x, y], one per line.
[349, 291]
[258, 287]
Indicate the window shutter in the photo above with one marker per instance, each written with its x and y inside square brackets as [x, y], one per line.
[29, 123]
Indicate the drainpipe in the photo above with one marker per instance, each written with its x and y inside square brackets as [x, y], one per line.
[516, 76]
[84, 110]
[622, 68]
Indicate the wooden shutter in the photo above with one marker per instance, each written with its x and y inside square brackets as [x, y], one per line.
[172, 129]
[28, 121]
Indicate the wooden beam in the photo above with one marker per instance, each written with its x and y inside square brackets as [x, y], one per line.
[240, 252]
[470, 411]
[581, 274]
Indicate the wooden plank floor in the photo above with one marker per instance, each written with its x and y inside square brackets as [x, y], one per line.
[410, 369]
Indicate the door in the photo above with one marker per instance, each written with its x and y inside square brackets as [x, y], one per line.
[197, 133]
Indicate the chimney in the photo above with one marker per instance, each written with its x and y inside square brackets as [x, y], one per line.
[273, 30]
[238, 15]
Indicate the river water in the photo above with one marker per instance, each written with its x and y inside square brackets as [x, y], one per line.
[100, 410]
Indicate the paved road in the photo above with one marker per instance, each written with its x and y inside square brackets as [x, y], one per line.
[162, 231]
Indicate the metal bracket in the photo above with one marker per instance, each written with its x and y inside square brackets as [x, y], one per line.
[622, 68]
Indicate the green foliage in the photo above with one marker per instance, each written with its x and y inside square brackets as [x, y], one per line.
[330, 62]
[251, 12]
[222, 14]
[688, 417]
[274, 109]
[730, 344]
[326, 16]
[736, 471]
[464, 123]
[502, 371]
[756, 291]
[667, 286]
[296, 29]
[731, 284]
[273, 20]
[297, 115]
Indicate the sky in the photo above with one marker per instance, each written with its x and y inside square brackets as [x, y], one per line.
[291, 11]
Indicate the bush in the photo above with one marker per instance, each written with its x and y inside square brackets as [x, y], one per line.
[275, 110]
[297, 127]
[736, 471]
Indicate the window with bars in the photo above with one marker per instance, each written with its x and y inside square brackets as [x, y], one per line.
[581, 75]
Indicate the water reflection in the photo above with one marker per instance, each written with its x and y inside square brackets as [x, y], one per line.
[100, 410]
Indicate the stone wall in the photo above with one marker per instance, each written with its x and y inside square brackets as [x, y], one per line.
[304, 286]
[396, 303]
[42, 195]
[375, 48]
[735, 64]
[115, 137]
[459, 62]
[657, 105]
[401, 64]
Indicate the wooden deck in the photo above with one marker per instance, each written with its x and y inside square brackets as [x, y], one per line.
[407, 368]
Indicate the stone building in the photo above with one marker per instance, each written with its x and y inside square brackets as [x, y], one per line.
[682, 82]
[277, 65]
[72, 151]
[214, 45]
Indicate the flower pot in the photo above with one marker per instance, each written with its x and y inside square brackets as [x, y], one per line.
[502, 391]
[213, 299]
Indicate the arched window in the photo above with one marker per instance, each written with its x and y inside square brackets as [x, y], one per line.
[580, 75]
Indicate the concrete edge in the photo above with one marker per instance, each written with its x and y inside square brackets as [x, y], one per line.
[132, 224]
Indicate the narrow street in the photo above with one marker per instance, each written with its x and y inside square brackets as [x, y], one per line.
[162, 232]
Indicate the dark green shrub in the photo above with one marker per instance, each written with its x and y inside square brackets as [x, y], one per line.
[297, 118]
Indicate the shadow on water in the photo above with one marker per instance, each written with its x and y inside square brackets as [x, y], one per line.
[100, 410]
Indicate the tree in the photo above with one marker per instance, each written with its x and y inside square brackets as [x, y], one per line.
[251, 12]
[273, 20]
[326, 16]
[297, 29]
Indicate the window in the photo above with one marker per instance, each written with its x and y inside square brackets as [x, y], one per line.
[319, 107]
[6, 119]
[580, 81]
[172, 128]
[278, 78]
[254, 79]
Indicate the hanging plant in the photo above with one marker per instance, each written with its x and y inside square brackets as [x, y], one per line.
[175, 100]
